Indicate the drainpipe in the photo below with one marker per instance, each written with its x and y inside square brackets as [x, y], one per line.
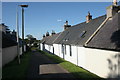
[96, 31]
[77, 54]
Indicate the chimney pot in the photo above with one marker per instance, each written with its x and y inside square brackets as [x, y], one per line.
[47, 34]
[114, 2]
[88, 17]
[43, 35]
[66, 26]
[53, 32]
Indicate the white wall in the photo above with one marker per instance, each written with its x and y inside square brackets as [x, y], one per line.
[104, 63]
[99, 61]
[8, 54]
[94, 60]
[49, 48]
[58, 52]
[57, 49]
[20, 50]
[24, 48]
[41, 46]
[73, 57]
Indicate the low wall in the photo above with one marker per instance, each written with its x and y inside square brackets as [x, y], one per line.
[8, 54]
[104, 63]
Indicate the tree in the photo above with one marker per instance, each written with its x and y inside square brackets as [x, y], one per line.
[29, 36]
[29, 40]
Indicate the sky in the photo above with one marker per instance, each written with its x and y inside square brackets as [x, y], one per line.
[41, 17]
[57, 0]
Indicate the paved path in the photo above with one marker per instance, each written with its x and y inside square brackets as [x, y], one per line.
[42, 68]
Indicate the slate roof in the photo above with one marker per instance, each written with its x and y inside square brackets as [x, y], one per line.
[78, 34]
[7, 41]
[108, 36]
[49, 39]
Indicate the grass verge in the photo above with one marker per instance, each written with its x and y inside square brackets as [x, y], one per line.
[77, 71]
[13, 70]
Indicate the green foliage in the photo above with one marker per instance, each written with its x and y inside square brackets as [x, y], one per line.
[13, 70]
[29, 36]
[31, 41]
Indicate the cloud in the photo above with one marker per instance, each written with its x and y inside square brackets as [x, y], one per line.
[59, 20]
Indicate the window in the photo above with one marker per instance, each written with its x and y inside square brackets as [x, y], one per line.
[82, 34]
[70, 51]
[62, 49]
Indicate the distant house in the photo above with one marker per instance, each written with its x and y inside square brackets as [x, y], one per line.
[47, 43]
[93, 44]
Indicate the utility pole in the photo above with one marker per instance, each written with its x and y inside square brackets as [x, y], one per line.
[23, 6]
[17, 35]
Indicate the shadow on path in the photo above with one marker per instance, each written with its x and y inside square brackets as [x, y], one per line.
[42, 68]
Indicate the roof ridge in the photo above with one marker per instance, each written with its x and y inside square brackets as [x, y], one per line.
[91, 20]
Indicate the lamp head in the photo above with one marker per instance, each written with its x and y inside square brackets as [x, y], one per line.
[24, 6]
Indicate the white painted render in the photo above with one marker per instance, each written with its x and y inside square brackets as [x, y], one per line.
[20, 50]
[72, 58]
[8, 54]
[49, 48]
[103, 63]
[41, 46]
[56, 49]
[24, 48]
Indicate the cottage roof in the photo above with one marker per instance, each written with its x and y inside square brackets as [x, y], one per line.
[108, 36]
[49, 39]
[78, 34]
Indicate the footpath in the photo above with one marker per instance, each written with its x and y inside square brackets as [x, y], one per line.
[42, 68]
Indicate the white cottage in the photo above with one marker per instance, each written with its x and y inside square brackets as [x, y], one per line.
[93, 44]
[47, 43]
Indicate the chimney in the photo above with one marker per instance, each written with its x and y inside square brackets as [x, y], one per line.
[53, 32]
[114, 2]
[47, 34]
[66, 26]
[113, 9]
[88, 17]
[43, 35]
[3, 24]
[14, 32]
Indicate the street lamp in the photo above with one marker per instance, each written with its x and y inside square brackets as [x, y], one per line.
[23, 6]
[17, 29]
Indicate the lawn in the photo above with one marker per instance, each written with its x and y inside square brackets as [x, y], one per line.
[77, 71]
[16, 71]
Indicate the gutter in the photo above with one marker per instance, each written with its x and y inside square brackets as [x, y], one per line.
[91, 37]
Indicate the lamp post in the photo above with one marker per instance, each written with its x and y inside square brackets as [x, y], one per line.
[17, 35]
[23, 6]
